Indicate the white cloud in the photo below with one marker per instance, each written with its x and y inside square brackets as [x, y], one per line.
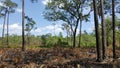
[13, 28]
[19, 10]
[49, 29]
[45, 2]
[16, 28]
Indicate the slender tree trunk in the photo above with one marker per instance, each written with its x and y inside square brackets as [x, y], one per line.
[74, 34]
[113, 21]
[74, 39]
[97, 32]
[23, 42]
[103, 31]
[3, 28]
[119, 41]
[8, 29]
[80, 27]
[71, 38]
[71, 33]
[28, 37]
[67, 37]
[80, 33]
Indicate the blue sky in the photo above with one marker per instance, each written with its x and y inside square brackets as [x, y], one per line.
[35, 10]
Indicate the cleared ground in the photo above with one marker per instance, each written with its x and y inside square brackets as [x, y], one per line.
[55, 58]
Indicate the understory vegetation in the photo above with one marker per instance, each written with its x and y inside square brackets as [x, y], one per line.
[49, 41]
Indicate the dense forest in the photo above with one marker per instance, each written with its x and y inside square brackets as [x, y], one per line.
[93, 48]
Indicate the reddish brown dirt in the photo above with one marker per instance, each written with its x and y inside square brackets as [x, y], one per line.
[54, 58]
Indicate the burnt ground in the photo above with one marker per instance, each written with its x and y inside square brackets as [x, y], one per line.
[56, 58]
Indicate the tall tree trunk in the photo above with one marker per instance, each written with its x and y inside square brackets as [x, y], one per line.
[74, 33]
[103, 31]
[97, 32]
[80, 33]
[23, 42]
[113, 21]
[8, 29]
[3, 28]
[80, 27]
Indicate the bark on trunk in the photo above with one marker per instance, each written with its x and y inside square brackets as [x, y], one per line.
[103, 31]
[113, 21]
[67, 37]
[3, 28]
[80, 33]
[97, 32]
[8, 29]
[23, 43]
[74, 39]
[74, 33]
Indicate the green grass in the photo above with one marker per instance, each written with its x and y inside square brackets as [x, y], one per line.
[10, 46]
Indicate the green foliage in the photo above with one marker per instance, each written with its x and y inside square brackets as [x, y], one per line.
[87, 40]
[69, 11]
[108, 22]
[43, 38]
[30, 24]
[66, 10]
[8, 6]
[48, 41]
